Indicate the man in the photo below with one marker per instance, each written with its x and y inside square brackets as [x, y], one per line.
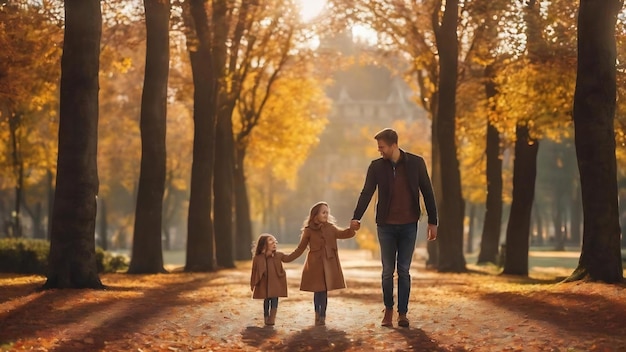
[399, 177]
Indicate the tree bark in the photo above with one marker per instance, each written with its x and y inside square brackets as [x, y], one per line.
[104, 228]
[452, 207]
[223, 189]
[594, 114]
[72, 259]
[432, 247]
[518, 227]
[243, 237]
[200, 235]
[526, 149]
[470, 232]
[18, 169]
[490, 239]
[225, 171]
[147, 251]
[50, 200]
[576, 216]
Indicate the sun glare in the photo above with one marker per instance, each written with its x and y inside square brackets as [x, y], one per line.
[310, 8]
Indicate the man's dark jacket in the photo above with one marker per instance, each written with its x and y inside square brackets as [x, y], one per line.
[380, 174]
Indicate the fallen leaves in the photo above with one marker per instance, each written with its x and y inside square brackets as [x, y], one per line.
[214, 312]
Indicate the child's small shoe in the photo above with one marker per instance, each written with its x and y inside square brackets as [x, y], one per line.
[272, 318]
[320, 321]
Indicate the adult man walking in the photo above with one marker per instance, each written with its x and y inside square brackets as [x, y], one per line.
[400, 177]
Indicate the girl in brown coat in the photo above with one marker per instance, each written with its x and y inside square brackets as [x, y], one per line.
[268, 280]
[322, 269]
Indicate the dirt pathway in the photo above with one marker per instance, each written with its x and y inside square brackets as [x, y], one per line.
[214, 312]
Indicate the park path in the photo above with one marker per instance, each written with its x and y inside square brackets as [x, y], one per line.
[448, 312]
[215, 312]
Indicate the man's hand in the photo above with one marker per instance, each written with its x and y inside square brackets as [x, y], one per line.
[432, 232]
[355, 225]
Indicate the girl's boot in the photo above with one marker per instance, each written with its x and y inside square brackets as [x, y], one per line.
[321, 321]
[272, 318]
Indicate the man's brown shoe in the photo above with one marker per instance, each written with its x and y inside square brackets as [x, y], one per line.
[403, 320]
[388, 318]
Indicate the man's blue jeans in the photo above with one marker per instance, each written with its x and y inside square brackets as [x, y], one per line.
[397, 243]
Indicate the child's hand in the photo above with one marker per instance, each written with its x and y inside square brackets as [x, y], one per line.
[355, 225]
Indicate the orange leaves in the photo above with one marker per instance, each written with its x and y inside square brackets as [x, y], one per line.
[213, 311]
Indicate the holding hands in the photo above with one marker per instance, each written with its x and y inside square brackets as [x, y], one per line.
[355, 225]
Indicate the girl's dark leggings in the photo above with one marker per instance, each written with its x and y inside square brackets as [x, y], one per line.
[320, 301]
[271, 302]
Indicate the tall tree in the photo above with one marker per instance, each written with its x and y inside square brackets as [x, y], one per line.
[271, 38]
[224, 185]
[207, 57]
[200, 235]
[533, 101]
[72, 260]
[525, 165]
[490, 239]
[147, 254]
[518, 227]
[452, 205]
[594, 114]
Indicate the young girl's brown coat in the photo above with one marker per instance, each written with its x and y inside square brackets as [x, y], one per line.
[268, 278]
[322, 269]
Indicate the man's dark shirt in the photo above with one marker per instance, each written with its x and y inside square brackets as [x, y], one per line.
[380, 174]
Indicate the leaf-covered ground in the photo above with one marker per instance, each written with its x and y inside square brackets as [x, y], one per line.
[478, 311]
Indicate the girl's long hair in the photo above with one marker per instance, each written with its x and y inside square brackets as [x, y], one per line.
[261, 242]
[315, 209]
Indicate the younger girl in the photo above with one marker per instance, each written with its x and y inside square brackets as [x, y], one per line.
[322, 270]
[268, 280]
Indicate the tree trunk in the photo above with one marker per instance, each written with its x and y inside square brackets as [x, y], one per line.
[526, 149]
[432, 247]
[225, 173]
[594, 114]
[18, 169]
[51, 191]
[518, 227]
[147, 251]
[104, 228]
[452, 207]
[576, 216]
[490, 239]
[200, 235]
[470, 232]
[223, 189]
[72, 259]
[243, 234]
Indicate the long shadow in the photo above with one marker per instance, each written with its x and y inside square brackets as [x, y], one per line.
[418, 340]
[138, 314]
[135, 314]
[256, 336]
[316, 338]
[574, 312]
[10, 292]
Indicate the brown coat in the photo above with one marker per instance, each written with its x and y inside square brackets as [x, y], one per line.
[268, 278]
[322, 269]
